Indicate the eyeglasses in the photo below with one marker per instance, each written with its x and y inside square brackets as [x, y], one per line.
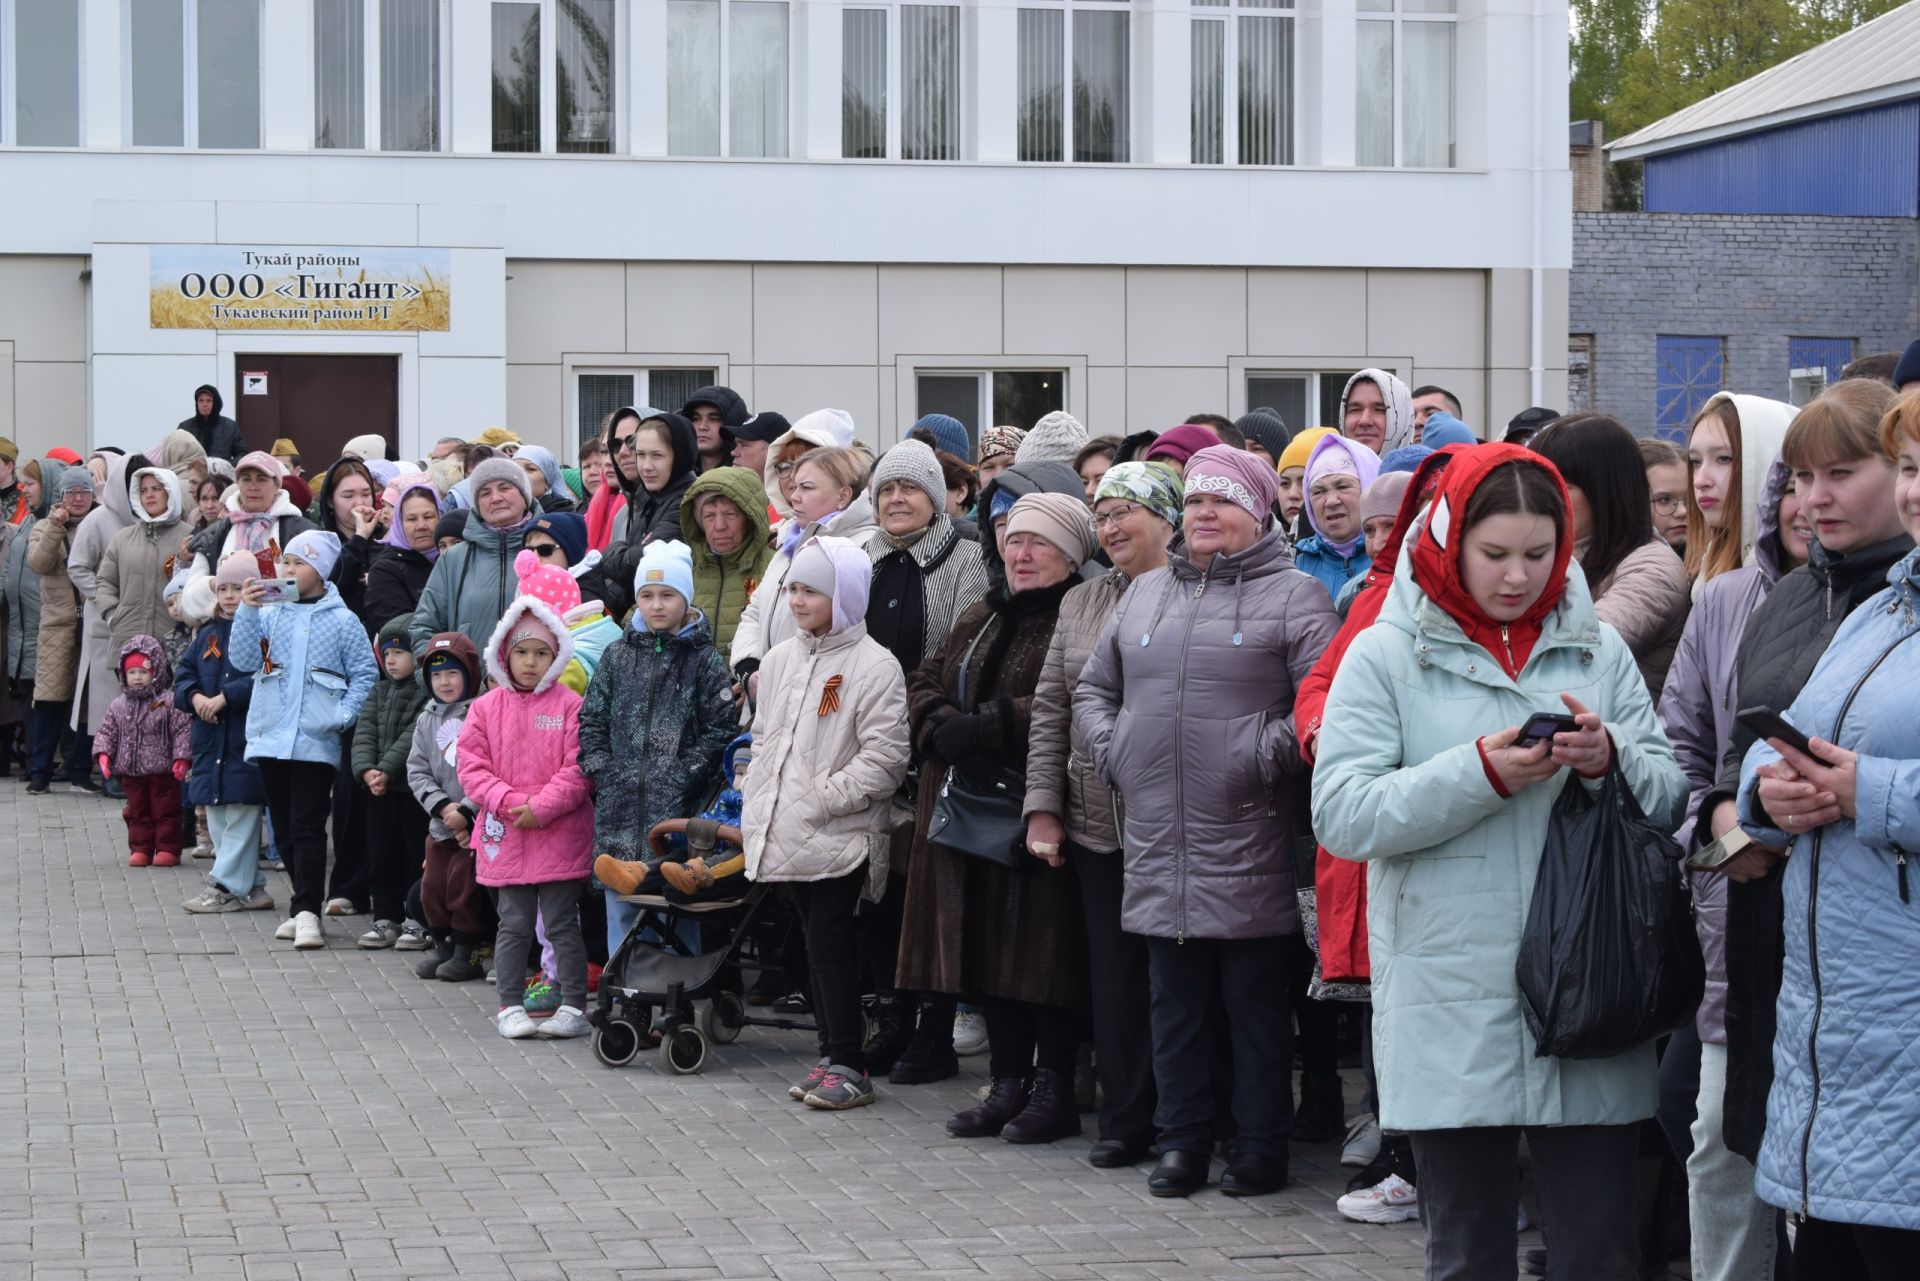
[1665, 503]
[784, 469]
[547, 549]
[1102, 519]
[624, 443]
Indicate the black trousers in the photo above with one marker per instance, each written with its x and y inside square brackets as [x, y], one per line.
[351, 864]
[1122, 1006]
[1022, 1036]
[1470, 1184]
[396, 848]
[299, 797]
[826, 915]
[1855, 1252]
[1318, 1021]
[1243, 981]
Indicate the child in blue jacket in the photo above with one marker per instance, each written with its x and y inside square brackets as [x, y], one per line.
[313, 669]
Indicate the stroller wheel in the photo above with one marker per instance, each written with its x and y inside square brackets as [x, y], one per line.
[684, 1051]
[723, 1018]
[616, 1042]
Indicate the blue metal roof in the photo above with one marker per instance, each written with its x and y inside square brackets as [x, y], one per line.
[1858, 164]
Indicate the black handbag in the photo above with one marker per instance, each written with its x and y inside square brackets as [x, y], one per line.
[983, 822]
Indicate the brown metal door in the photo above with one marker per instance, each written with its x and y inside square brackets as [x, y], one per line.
[318, 402]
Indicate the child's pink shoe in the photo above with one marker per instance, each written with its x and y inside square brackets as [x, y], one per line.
[139, 858]
[166, 858]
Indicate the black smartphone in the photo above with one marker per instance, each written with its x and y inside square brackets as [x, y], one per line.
[1767, 723]
[1544, 725]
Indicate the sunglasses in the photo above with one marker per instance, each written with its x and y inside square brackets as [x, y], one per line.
[547, 549]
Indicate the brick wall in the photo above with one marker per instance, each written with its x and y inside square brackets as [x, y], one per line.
[1757, 280]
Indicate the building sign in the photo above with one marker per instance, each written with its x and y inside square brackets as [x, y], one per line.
[253, 382]
[285, 287]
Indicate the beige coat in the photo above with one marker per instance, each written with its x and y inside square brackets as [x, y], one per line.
[139, 561]
[97, 685]
[816, 799]
[1646, 598]
[58, 657]
[1061, 779]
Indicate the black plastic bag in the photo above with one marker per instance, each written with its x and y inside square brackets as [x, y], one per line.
[1609, 959]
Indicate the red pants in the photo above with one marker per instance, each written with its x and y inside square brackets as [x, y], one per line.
[452, 900]
[152, 813]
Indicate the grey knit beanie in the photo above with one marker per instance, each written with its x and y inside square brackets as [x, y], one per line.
[1057, 437]
[914, 463]
[505, 469]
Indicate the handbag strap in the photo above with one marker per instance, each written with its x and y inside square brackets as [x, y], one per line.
[966, 660]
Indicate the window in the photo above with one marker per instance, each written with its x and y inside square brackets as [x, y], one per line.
[1813, 364]
[1579, 373]
[863, 84]
[1403, 83]
[573, 110]
[914, 62]
[1289, 394]
[193, 73]
[1687, 372]
[1244, 57]
[43, 84]
[748, 37]
[400, 41]
[598, 392]
[1097, 126]
[988, 398]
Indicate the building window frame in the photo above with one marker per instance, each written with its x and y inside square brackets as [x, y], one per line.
[1231, 16]
[1398, 16]
[10, 79]
[724, 104]
[1814, 364]
[1688, 370]
[1068, 136]
[617, 67]
[700, 370]
[373, 108]
[951, 132]
[189, 79]
[1325, 378]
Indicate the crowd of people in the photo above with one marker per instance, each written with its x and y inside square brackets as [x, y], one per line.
[1146, 765]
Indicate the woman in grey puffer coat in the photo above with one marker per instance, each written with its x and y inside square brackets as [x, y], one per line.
[1187, 710]
[1068, 803]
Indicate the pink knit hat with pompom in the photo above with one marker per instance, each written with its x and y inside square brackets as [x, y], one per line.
[549, 584]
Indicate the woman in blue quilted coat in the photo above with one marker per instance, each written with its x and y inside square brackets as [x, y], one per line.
[1843, 1116]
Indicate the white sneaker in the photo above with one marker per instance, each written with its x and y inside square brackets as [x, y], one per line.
[339, 907]
[1392, 1200]
[563, 1023]
[516, 1024]
[1363, 1142]
[285, 932]
[969, 1033]
[306, 932]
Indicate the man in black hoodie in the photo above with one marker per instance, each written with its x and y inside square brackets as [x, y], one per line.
[713, 413]
[218, 434]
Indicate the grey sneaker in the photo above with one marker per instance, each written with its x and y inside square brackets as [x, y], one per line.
[258, 900]
[804, 1086]
[383, 934]
[840, 1089]
[565, 1022]
[215, 898]
[413, 938]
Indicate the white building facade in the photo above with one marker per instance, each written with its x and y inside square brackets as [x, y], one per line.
[1134, 210]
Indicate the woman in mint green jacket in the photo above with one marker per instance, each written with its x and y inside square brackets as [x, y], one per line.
[1419, 774]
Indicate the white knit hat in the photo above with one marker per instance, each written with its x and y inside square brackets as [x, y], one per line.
[1057, 437]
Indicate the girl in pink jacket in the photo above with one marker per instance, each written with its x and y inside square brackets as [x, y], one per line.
[519, 760]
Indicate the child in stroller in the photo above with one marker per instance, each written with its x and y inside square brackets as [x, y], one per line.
[690, 859]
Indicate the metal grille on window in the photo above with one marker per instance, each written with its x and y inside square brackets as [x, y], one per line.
[516, 77]
[599, 395]
[1266, 90]
[1209, 59]
[1687, 372]
[1101, 120]
[156, 59]
[1039, 83]
[669, 388]
[410, 75]
[229, 79]
[863, 84]
[929, 82]
[339, 74]
[583, 76]
[757, 78]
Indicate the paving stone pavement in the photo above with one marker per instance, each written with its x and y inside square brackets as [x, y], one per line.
[194, 1099]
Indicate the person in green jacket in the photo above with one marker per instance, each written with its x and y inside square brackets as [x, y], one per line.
[396, 825]
[724, 519]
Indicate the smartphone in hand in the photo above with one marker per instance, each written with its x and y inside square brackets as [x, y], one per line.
[1542, 726]
[1767, 723]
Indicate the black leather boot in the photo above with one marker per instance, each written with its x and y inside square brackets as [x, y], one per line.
[1179, 1173]
[1050, 1112]
[1006, 1099]
[892, 1031]
[929, 1054]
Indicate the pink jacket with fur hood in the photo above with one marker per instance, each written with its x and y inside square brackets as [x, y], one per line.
[522, 748]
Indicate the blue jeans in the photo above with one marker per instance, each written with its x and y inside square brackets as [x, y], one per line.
[235, 830]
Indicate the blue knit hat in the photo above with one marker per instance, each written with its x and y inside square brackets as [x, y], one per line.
[1405, 458]
[949, 433]
[664, 564]
[1444, 429]
[1908, 370]
[566, 528]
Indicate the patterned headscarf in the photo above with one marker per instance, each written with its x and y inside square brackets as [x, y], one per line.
[1155, 486]
[1000, 440]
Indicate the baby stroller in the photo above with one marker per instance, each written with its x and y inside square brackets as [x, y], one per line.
[663, 964]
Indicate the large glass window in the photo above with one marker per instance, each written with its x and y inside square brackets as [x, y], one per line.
[930, 82]
[156, 79]
[1403, 83]
[1095, 62]
[992, 397]
[583, 75]
[228, 84]
[339, 74]
[1302, 399]
[598, 392]
[410, 75]
[863, 84]
[1242, 65]
[693, 77]
[751, 62]
[757, 78]
[45, 76]
[516, 77]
